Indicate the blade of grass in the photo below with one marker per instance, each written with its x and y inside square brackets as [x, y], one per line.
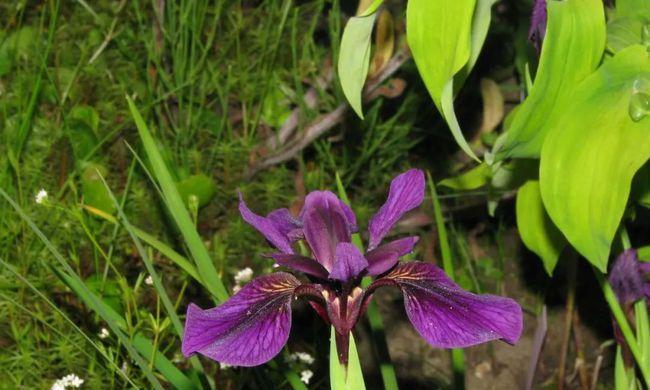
[457, 355]
[388, 375]
[155, 243]
[68, 320]
[162, 293]
[85, 294]
[142, 344]
[172, 198]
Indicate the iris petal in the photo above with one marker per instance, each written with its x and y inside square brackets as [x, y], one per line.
[626, 277]
[386, 256]
[301, 264]
[248, 329]
[275, 227]
[349, 262]
[447, 316]
[325, 225]
[406, 193]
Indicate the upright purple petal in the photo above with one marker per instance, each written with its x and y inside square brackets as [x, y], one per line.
[447, 316]
[248, 329]
[384, 257]
[537, 29]
[349, 262]
[325, 225]
[326, 199]
[276, 227]
[406, 193]
[301, 264]
[625, 277]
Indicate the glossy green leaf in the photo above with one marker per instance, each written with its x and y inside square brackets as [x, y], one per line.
[623, 32]
[536, 229]
[473, 179]
[354, 55]
[592, 153]
[439, 34]
[341, 377]
[572, 49]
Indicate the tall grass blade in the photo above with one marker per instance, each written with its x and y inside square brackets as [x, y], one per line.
[176, 207]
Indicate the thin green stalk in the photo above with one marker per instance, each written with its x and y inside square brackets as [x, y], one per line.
[457, 355]
[621, 320]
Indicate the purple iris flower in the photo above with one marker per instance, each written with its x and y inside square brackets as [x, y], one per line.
[629, 278]
[537, 29]
[252, 326]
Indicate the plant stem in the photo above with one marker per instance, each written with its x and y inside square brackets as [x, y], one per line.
[626, 330]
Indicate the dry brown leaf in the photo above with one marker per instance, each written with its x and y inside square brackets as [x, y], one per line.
[492, 105]
[384, 42]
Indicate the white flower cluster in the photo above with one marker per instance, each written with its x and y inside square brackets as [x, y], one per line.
[68, 381]
[241, 277]
[305, 376]
[103, 333]
[302, 357]
[41, 196]
[148, 280]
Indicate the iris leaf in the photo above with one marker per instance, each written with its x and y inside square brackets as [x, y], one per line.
[572, 49]
[591, 154]
[354, 55]
[342, 378]
[536, 229]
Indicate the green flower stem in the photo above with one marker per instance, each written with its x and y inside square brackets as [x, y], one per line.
[457, 355]
[617, 311]
[388, 375]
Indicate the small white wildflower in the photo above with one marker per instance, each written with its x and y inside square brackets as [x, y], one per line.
[103, 333]
[71, 380]
[41, 196]
[243, 275]
[148, 281]
[125, 367]
[305, 376]
[236, 289]
[303, 357]
[224, 366]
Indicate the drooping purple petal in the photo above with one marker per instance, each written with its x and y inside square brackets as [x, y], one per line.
[644, 267]
[301, 263]
[325, 225]
[275, 227]
[625, 277]
[349, 262]
[248, 329]
[384, 257]
[406, 193]
[447, 316]
[537, 29]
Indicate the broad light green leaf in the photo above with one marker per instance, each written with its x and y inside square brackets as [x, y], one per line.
[439, 34]
[340, 378]
[473, 179]
[633, 8]
[572, 49]
[536, 228]
[592, 153]
[200, 185]
[623, 32]
[354, 55]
